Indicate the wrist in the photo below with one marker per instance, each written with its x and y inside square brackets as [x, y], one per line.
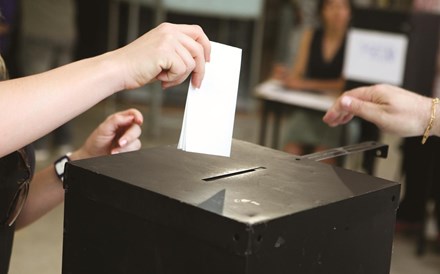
[79, 155]
[108, 63]
[436, 124]
[60, 164]
[432, 127]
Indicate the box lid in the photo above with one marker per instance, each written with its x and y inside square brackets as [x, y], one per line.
[255, 185]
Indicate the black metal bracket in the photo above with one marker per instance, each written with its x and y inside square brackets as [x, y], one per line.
[379, 150]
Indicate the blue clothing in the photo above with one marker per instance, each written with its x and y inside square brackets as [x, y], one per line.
[8, 10]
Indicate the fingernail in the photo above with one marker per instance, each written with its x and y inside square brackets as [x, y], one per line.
[346, 101]
[123, 142]
[114, 152]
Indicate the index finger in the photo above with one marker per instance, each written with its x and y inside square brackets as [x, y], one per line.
[136, 114]
[335, 113]
[340, 108]
[122, 119]
[197, 52]
[196, 33]
[362, 93]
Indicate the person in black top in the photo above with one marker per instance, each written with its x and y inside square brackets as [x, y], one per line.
[21, 202]
[15, 169]
[318, 63]
[33, 106]
[321, 68]
[318, 67]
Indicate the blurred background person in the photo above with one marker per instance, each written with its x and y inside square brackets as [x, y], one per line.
[296, 16]
[47, 39]
[317, 67]
[8, 12]
[8, 26]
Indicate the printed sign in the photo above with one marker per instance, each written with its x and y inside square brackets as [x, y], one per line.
[375, 57]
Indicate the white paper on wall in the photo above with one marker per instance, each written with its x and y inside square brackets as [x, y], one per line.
[375, 57]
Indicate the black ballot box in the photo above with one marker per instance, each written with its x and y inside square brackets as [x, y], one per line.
[166, 211]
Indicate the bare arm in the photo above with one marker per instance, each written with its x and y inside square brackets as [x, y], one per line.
[300, 62]
[284, 73]
[118, 133]
[45, 193]
[33, 106]
[392, 109]
[297, 78]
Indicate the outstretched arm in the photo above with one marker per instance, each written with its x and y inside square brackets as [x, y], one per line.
[118, 133]
[33, 106]
[392, 109]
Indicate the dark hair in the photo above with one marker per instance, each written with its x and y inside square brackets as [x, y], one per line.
[321, 4]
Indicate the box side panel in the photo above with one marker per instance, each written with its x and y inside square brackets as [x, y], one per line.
[130, 235]
[350, 237]
[101, 239]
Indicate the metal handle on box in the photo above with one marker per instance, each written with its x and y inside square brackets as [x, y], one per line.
[380, 150]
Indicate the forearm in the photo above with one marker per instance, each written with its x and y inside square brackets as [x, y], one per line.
[42, 102]
[423, 114]
[32, 107]
[46, 189]
[45, 193]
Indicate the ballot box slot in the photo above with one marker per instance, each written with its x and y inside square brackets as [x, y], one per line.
[232, 174]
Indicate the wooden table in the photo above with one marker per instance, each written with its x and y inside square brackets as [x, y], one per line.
[277, 99]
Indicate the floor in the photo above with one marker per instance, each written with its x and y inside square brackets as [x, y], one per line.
[38, 248]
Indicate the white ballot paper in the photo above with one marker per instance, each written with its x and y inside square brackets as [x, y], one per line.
[208, 121]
